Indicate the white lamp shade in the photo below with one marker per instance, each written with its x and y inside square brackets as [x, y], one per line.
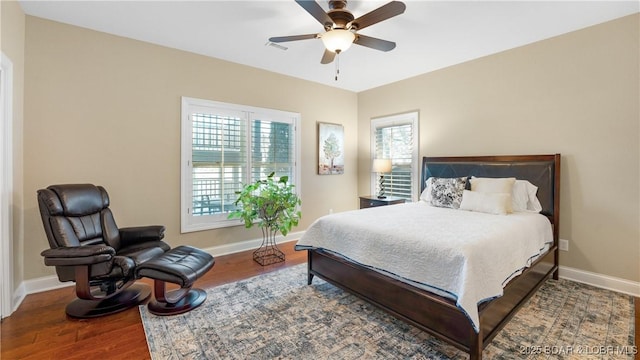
[337, 40]
[381, 165]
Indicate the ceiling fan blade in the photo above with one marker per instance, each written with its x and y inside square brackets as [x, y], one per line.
[380, 14]
[374, 43]
[327, 57]
[316, 11]
[278, 39]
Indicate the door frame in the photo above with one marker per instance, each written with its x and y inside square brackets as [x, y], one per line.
[6, 186]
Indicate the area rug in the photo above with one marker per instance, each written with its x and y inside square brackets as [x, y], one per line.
[278, 316]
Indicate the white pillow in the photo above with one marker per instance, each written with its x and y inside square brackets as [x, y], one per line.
[492, 185]
[486, 202]
[523, 193]
[426, 193]
[523, 197]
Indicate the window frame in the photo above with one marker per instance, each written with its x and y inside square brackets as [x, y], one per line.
[191, 223]
[411, 118]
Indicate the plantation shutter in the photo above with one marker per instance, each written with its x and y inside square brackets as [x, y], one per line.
[395, 143]
[218, 160]
[225, 147]
[396, 138]
[272, 148]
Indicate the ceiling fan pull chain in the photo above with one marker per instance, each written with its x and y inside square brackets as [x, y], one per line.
[337, 65]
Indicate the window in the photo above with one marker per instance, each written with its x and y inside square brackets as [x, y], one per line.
[225, 146]
[396, 138]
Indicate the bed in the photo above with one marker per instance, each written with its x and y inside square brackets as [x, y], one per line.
[431, 309]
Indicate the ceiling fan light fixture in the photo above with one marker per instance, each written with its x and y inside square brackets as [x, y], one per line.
[338, 40]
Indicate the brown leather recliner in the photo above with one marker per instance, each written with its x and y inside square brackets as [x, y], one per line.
[87, 247]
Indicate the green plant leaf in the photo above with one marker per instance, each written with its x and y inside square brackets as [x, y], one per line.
[269, 204]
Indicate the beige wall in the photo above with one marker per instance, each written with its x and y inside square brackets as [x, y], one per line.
[13, 43]
[575, 94]
[106, 110]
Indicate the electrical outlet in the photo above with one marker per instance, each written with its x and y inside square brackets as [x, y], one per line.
[564, 245]
[330, 211]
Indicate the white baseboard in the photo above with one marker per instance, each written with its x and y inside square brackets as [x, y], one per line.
[18, 297]
[248, 244]
[44, 283]
[51, 282]
[601, 281]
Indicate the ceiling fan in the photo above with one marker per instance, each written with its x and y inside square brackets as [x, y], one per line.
[341, 27]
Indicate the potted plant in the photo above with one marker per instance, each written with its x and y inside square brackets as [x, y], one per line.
[273, 205]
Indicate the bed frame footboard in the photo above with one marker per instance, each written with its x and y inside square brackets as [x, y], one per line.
[434, 314]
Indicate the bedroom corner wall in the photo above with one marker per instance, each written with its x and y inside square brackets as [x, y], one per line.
[13, 46]
[576, 94]
[106, 110]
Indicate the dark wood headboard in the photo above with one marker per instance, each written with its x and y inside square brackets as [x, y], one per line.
[542, 171]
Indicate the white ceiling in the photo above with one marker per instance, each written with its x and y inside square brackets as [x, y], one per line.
[430, 34]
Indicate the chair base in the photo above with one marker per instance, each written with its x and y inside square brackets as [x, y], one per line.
[132, 296]
[192, 299]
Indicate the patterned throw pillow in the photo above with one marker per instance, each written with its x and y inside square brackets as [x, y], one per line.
[447, 192]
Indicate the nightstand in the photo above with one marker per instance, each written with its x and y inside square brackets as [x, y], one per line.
[371, 201]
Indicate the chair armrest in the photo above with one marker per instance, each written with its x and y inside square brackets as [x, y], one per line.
[138, 234]
[78, 255]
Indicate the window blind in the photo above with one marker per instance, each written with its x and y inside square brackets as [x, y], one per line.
[218, 162]
[395, 142]
[272, 149]
[223, 148]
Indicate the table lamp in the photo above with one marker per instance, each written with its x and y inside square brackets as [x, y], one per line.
[381, 166]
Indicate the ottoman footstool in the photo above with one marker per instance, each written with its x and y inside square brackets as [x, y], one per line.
[182, 265]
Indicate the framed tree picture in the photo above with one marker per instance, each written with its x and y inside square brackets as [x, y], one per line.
[330, 149]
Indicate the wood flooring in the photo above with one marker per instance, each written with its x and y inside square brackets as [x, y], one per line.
[39, 329]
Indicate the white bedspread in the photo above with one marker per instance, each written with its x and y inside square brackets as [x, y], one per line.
[469, 255]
